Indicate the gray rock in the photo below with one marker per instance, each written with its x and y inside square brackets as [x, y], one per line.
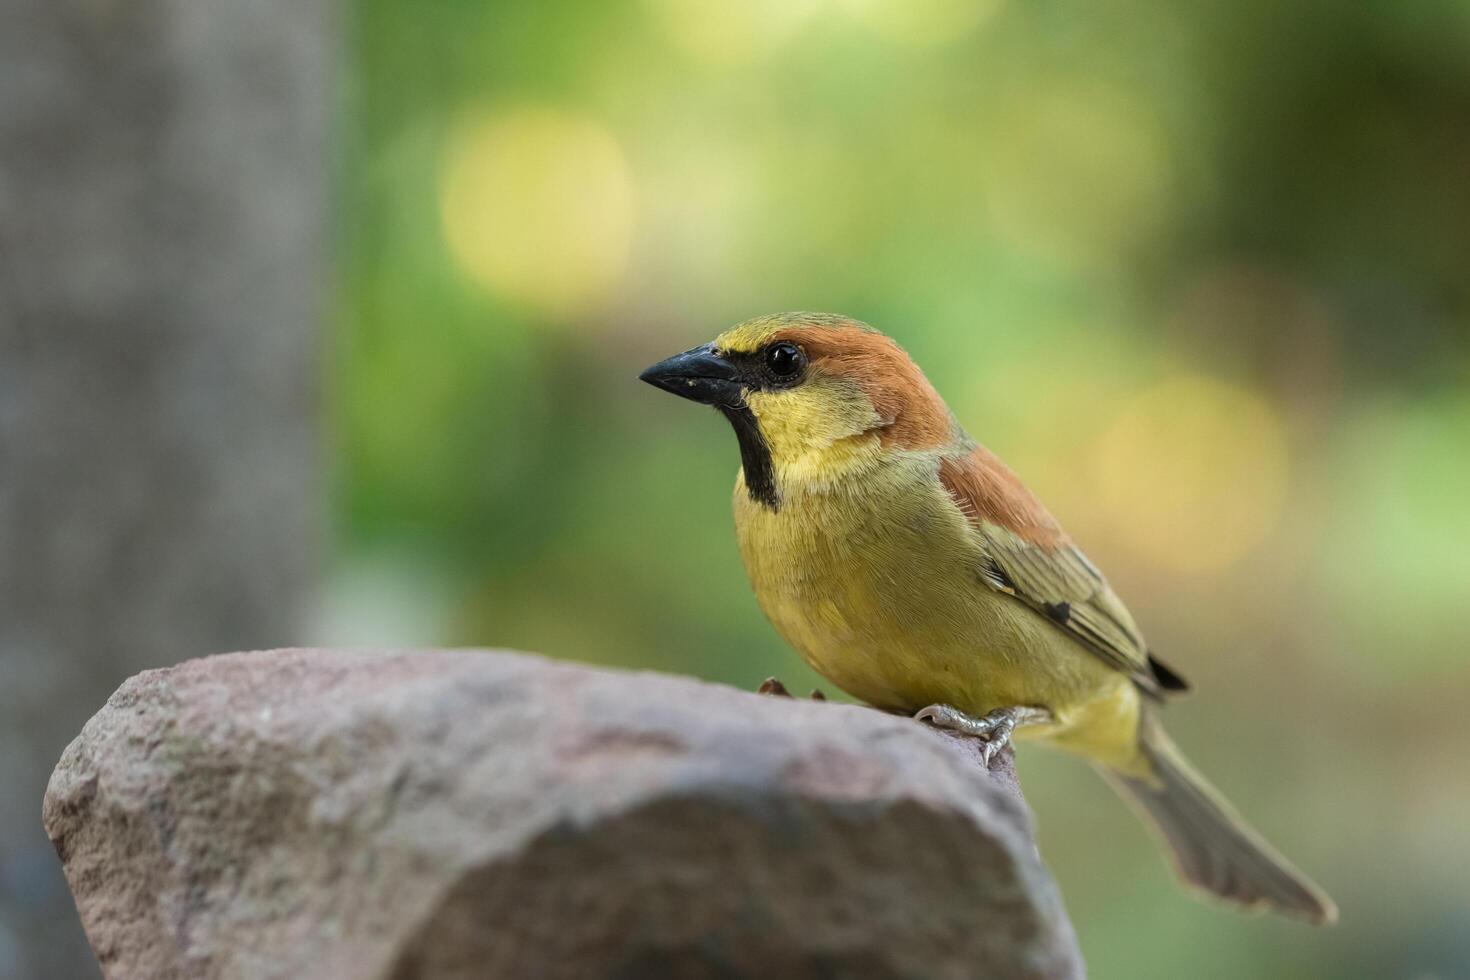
[329, 813]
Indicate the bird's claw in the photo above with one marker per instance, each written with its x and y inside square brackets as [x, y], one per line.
[993, 730]
[775, 688]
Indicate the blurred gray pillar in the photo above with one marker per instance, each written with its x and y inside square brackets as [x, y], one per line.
[162, 193]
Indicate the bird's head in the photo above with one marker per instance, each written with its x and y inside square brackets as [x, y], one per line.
[811, 396]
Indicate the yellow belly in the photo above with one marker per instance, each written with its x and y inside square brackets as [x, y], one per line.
[888, 604]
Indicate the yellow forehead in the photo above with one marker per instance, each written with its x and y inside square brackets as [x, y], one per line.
[744, 338]
[754, 334]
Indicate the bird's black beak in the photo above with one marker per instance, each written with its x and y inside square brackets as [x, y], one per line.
[700, 375]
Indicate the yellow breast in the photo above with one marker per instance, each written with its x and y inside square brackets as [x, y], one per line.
[874, 578]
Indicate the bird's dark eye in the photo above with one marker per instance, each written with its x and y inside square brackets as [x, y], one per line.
[785, 360]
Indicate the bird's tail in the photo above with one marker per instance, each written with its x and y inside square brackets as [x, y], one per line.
[1213, 848]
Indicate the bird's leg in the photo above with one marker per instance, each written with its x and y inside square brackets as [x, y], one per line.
[776, 689]
[995, 728]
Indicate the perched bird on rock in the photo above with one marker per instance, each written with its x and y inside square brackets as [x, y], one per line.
[909, 566]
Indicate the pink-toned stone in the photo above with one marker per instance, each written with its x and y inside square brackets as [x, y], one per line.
[328, 813]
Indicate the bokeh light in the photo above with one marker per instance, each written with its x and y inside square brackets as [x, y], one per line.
[538, 207]
[1194, 472]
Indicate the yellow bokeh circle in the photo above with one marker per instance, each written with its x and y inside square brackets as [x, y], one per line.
[1193, 473]
[538, 207]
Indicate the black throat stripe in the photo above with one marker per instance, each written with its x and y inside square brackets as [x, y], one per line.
[755, 456]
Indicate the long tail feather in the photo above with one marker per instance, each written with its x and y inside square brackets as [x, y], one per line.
[1213, 847]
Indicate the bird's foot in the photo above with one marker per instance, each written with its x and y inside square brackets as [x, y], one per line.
[994, 729]
[776, 689]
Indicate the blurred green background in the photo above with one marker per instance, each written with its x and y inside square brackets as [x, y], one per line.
[1197, 271]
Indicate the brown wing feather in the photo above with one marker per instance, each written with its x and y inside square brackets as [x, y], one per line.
[1029, 556]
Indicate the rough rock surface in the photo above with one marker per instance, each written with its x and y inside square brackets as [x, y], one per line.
[438, 814]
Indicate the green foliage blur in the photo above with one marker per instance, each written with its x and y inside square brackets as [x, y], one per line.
[1198, 271]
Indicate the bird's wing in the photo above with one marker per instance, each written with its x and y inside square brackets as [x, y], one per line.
[1029, 556]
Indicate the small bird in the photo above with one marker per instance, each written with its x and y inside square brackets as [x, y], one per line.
[913, 569]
